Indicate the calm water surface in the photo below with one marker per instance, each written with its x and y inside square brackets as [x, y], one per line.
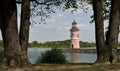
[34, 53]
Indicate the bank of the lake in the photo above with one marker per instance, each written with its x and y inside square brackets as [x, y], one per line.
[81, 50]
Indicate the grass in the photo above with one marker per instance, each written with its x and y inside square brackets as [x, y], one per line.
[1, 69]
[73, 67]
[78, 67]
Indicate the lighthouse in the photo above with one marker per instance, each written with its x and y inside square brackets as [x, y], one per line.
[74, 36]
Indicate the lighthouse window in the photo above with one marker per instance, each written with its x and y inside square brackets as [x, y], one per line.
[72, 34]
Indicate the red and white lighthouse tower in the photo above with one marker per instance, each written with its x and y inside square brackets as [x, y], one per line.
[74, 35]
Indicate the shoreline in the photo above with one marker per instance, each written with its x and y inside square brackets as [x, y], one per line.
[81, 50]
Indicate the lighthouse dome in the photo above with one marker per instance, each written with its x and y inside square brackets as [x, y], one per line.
[74, 27]
[74, 22]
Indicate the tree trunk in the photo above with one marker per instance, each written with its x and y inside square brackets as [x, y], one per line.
[13, 55]
[102, 53]
[24, 28]
[113, 30]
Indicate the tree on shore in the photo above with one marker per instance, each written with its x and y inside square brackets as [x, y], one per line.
[24, 29]
[113, 31]
[16, 44]
[99, 31]
[107, 50]
[13, 55]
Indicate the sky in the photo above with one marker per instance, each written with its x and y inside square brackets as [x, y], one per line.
[57, 28]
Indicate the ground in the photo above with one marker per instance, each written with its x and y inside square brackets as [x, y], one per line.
[70, 67]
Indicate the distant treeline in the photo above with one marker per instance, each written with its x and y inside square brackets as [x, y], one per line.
[57, 44]
[60, 44]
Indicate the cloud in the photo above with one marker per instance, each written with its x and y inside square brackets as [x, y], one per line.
[82, 25]
[60, 14]
[79, 11]
[58, 25]
[50, 20]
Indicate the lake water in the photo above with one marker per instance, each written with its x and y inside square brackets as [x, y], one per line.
[34, 53]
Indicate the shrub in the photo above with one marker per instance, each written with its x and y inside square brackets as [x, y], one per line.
[52, 56]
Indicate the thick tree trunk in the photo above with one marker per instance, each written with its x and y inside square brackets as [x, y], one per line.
[24, 28]
[113, 30]
[13, 55]
[102, 53]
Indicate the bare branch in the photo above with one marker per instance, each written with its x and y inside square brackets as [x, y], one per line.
[37, 2]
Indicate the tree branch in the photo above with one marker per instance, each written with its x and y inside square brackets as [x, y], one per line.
[41, 3]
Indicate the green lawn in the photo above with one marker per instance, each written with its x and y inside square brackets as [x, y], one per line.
[78, 67]
[71, 67]
[1, 69]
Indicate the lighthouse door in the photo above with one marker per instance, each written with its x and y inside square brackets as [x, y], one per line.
[72, 46]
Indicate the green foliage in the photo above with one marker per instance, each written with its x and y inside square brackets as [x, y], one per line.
[71, 4]
[87, 44]
[52, 56]
[59, 44]
[34, 44]
[45, 8]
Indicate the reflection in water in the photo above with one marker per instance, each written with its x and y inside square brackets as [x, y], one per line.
[81, 57]
[34, 53]
[75, 57]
